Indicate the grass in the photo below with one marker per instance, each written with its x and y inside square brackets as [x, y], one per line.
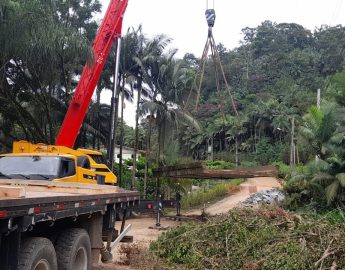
[201, 197]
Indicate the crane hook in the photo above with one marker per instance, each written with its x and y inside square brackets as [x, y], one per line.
[210, 17]
[210, 14]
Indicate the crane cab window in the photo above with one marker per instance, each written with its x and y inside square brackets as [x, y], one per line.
[67, 167]
[35, 167]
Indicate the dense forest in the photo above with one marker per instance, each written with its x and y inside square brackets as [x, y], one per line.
[274, 76]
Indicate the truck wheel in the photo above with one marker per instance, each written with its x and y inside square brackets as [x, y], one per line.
[37, 253]
[73, 250]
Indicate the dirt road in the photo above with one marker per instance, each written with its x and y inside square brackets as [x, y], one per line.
[143, 235]
[250, 186]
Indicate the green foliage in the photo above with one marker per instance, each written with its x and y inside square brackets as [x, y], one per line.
[219, 165]
[172, 154]
[266, 152]
[265, 238]
[322, 182]
[248, 164]
[319, 126]
[284, 170]
[336, 88]
[42, 53]
[335, 216]
[198, 198]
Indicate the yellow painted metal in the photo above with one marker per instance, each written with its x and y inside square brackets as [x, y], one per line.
[82, 175]
[100, 168]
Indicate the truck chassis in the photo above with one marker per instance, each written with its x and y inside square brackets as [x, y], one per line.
[50, 211]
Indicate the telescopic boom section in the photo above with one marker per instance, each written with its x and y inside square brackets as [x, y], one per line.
[110, 29]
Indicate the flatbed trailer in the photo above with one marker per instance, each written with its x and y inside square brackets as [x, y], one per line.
[48, 225]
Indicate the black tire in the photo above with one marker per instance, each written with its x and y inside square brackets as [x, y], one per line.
[37, 253]
[73, 250]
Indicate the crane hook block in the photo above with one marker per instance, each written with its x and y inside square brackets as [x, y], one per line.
[210, 17]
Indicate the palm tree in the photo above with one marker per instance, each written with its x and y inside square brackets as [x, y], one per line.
[140, 56]
[323, 129]
[318, 127]
[235, 131]
[169, 93]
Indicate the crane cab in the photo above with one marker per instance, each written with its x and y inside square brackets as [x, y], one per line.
[55, 163]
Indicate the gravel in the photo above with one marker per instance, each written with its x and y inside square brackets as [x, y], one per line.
[265, 197]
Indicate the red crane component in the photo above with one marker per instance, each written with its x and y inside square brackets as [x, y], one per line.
[110, 28]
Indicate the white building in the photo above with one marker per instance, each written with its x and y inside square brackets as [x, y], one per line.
[127, 153]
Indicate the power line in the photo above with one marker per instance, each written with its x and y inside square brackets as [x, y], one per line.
[336, 11]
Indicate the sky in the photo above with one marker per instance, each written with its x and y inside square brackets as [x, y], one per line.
[184, 20]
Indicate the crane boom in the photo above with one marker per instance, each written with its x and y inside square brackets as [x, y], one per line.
[110, 29]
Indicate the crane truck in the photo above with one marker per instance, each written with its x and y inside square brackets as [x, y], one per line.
[57, 204]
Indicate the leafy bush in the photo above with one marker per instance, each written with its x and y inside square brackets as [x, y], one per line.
[219, 165]
[200, 197]
[284, 170]
[248, 164]
[267, 152]
[302, 192]
[262, 239]
[229, 156]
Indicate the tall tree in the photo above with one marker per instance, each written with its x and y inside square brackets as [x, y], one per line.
[47, 49]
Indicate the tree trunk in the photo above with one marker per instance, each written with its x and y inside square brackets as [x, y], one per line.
[114, 108]
[292, 150]
[95, 138]
[159, 145]
[255, 138]
[139, 83]
[236, 150]
[84, 138]
[121, 131]
[148, 149]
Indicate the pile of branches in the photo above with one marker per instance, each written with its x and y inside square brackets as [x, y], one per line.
[251, 239]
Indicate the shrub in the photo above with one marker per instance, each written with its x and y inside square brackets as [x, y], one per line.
[267, 152]
[248, 164]
[265, 238]
[219, 165]
[284, 170]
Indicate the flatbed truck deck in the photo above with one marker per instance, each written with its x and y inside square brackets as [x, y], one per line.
[57, 225]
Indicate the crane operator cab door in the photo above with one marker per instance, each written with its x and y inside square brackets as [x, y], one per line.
[78, 170]
[84, 172]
